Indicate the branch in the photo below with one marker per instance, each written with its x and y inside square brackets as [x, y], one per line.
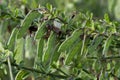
[110, 57]
[37, 71]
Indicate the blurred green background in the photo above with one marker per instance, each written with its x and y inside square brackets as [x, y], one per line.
[12, 10]
[98, 7]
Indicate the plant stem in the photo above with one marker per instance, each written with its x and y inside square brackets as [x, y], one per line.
[10, 69]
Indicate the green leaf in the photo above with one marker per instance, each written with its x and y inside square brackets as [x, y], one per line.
[50, 49]
[73, 52]
[40, 33]
[4, 54]
[27, 22]
[106, 17]
[21, 75]
[107, 44]
[49, 7]
[11, 41]
[70, 40]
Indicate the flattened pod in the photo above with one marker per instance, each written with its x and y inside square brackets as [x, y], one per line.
[18, 51]
[74, 51]
[70, 40]
[95, 44]
[47, 57]
[40, 49]
[27, 22]
[41, 30]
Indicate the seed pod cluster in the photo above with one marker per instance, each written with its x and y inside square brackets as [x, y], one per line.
[32, 29]
[52, 28]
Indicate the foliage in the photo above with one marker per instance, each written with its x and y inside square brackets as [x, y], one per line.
[45, 43]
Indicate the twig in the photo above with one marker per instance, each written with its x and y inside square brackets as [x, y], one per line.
[111, 57]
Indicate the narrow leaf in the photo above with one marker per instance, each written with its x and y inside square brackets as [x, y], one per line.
[11, 40]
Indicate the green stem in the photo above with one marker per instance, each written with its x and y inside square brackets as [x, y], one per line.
[83, 44]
